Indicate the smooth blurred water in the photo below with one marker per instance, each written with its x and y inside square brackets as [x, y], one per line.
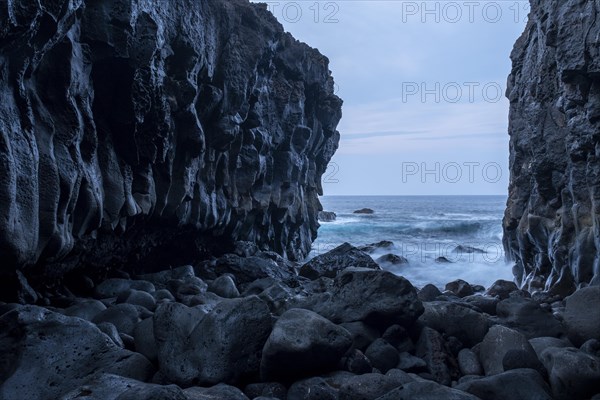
[424, 228]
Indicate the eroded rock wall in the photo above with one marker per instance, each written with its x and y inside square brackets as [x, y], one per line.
[552, 220]
[137, 131]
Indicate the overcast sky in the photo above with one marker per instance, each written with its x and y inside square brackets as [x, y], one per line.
[423, 87]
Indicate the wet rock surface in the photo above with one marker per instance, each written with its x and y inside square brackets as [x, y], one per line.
[142, 136]
[551, 228]
[364, 334]
[331, 263]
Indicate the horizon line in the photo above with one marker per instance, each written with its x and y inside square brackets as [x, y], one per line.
[413, 195]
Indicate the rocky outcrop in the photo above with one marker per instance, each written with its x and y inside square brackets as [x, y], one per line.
[135, 132]
[361, 335]
[552, 220]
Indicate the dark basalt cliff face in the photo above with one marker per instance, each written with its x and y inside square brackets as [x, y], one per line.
[140, 132]
[552, 221]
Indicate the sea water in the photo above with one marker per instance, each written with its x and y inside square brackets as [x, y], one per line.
[424, 228]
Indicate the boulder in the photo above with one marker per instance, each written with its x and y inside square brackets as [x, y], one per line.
[497, 343]
[581, 323]
[326, 216]
[207, 348]
[336, 260]
[469, 363]
[460, 288]
[47, 355]
[432, 348]
[364, 211]
[573, 374]
[217, 392]
[378, 298]
[115, 286]
[312, 389]
[463, 249]
[173, 324]
[368, 386]
[362, 334]
[160, 279]
[501, 288]
[391, 259]
[591, 347]
[410, 363]
[137, 298]
[526, 316]
[111, 331]
[398, 337]
[517, 384]
[225, 287]
[302, 343]
[87, 309]
[486, 304]
[540, 344]
[225, 352]
[145, 342]
[266, 389]
[382, 245]
[426, 390]
[382, 355]
[249, 269]
[457, 320]
[357, 363]
[429, 293]
[124, 316]
[114, 387]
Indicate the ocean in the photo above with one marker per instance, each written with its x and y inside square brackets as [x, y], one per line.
[422, 229]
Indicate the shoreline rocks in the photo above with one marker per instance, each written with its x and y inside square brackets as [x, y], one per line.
[364, 211]
[346, 333]
[550, 225]
[326, 216]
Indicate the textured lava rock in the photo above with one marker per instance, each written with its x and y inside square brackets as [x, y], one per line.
[114, 387]
[369, 386]
[456, 320]
[581, 315]
[516, 384]
[431, 347]
[138, 133]
[498, 342]
[526, 316]
[209, 348]
[302, 343]
[326, 216]
[46, 354]
[378, 298]
[382, 355]
[571, 372]
[336, 260]
[425, 390]
[551, 226]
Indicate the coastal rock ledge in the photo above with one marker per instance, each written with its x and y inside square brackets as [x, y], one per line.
[141, 133]
[552, 220]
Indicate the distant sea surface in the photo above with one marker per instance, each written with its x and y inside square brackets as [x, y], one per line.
[422, 229]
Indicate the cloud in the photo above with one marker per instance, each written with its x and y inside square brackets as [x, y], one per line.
[372, 135]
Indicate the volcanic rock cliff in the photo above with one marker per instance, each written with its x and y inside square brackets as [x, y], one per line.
[552, 220]
[142, 132]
